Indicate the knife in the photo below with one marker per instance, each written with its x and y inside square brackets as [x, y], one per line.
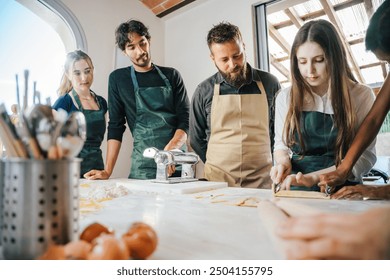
[34, 92]
[17, 92]
[25, 99]
[276, 187]
[329, 190]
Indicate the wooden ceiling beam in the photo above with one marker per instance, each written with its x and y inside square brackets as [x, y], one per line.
[316, 14]
[365, 66]
[283, 58]
[294, 17]
[175, 7]
[331, 13]
[369, 8]
[280, 67]
[279, 39]
[384, 69]
[357, 40]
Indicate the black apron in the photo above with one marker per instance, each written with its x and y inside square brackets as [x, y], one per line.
[96, 127]
[155, 124]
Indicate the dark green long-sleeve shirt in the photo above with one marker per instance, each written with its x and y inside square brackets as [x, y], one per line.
[121, 98]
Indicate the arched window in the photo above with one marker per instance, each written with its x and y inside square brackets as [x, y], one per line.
[36, 35]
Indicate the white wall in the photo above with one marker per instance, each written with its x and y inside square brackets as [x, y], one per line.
[178, 40]
[186, 31]
[99, 19]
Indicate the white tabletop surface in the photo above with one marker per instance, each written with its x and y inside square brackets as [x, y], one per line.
[203, 225]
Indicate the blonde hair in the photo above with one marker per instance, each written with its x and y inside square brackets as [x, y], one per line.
[65, 84]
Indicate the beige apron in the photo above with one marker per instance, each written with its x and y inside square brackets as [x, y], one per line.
[238, 151]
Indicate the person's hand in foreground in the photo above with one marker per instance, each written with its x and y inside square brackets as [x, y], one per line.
[338, 236]
[363, 192]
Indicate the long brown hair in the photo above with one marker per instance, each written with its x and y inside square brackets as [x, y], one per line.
[324, 34]
[71, 58]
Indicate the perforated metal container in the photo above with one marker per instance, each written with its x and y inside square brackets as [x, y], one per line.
[40, 205]
[1, 196]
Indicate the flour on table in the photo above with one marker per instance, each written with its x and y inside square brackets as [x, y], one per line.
[107, 192]
[92, 196]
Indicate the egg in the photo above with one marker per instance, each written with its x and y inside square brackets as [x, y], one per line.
[94, 230]
[141, 240]
[77, 250]
[107, 247]
[54, 252]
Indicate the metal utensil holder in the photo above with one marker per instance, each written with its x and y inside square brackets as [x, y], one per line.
[40, 205]
[2, 175]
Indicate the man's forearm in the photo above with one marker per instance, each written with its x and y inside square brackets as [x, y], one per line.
[113, 147]
[369, 128]
[178, 140]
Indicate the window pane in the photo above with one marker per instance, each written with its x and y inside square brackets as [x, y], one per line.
[308, 7]
[373, 75]
[362, 56]
[354, 21]
[30, 44]
[275, 50]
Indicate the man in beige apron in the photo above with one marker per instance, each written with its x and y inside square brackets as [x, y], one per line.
[239, 147]
[229, 123]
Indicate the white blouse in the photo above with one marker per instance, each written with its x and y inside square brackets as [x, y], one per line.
[362, 100]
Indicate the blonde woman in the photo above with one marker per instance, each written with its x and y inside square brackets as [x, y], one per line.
[76, 95]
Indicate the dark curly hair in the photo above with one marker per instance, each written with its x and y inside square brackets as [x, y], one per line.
[130, 26]
[223, 32]
[378, 32]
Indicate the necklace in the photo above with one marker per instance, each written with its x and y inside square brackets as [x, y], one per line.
[85, 98]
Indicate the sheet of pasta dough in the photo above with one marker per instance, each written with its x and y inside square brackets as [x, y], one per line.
[300, 194]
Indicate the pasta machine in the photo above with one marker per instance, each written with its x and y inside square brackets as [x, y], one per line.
[164, 159]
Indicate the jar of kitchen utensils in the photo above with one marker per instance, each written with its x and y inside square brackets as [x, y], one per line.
[1, 196]
[40, 205]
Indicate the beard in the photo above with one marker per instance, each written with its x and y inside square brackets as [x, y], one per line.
[143, 60]
[236, 77]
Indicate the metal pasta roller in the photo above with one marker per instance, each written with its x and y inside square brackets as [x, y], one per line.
[165, 158]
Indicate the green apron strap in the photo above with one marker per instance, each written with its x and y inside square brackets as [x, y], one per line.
[91, 154]
[77, 100]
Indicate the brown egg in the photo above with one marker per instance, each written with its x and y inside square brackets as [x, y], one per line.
[141, 239]
[94, 230]
[77, 250]
[54, 252]
[107, 247]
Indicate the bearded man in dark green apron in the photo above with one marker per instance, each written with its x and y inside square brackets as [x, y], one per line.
[151, 99]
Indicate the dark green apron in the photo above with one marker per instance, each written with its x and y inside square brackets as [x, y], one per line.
[319, 136]
[155, 124]
[96, 127]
